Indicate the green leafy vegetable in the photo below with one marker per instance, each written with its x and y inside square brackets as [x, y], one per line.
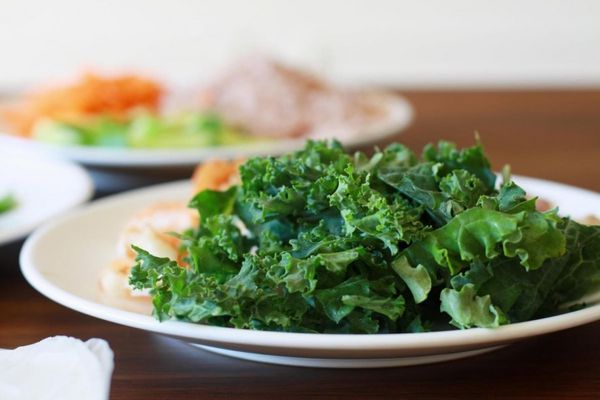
[417, 279]
[7, 203]
[468, 310]
[322, 241]
[142, 130]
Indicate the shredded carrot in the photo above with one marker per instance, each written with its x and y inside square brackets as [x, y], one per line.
[91, 95]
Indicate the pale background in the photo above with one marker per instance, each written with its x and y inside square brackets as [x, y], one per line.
[409, 44]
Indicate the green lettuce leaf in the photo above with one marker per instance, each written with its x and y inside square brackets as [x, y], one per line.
[417, 279]
[469, 310]
[484, 234]
[471, 159]
[7, 203]
[211, 202]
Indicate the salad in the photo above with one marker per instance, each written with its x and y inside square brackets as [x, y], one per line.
[7, 203]
[122, 111]
[142, 130]
[254, 99]
[323, 241]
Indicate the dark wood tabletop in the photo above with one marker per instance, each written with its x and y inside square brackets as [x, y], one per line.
[548, 134]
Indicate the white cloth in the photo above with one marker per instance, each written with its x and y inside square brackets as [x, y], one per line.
[59, 367]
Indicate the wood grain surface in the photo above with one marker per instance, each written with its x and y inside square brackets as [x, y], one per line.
[553, 135]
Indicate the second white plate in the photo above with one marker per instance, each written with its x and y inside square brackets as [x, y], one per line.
[399, 116]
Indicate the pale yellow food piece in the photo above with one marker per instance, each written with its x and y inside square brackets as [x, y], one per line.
[151, 229]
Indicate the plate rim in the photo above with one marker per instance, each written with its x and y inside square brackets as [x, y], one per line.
[307, 341]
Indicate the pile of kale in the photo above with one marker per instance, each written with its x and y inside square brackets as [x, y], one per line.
[322, 241]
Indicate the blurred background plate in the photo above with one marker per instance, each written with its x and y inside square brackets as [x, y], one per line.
[116, 169]
[42, 188]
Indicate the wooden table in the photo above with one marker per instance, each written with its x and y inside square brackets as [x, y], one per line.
[554, 135]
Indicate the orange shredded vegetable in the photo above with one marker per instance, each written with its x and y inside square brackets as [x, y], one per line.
[89, 96]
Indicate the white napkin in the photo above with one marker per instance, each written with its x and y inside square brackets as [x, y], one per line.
[59, 367]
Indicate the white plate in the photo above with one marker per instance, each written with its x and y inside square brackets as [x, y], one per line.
[62, 261]
[399, 117]
[42, 187]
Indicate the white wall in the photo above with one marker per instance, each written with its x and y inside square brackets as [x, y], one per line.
[407, 43]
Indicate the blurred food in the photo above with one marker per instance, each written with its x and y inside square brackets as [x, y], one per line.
[7, 203]
[123, 111]
[591, 220]
[141, 130]
[150, 226]
[255, 100]
[153, 228]
[90, 96]
[543, 205]
[271, 99]
[216, 175]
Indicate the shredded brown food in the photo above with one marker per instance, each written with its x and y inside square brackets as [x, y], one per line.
[268, 98]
